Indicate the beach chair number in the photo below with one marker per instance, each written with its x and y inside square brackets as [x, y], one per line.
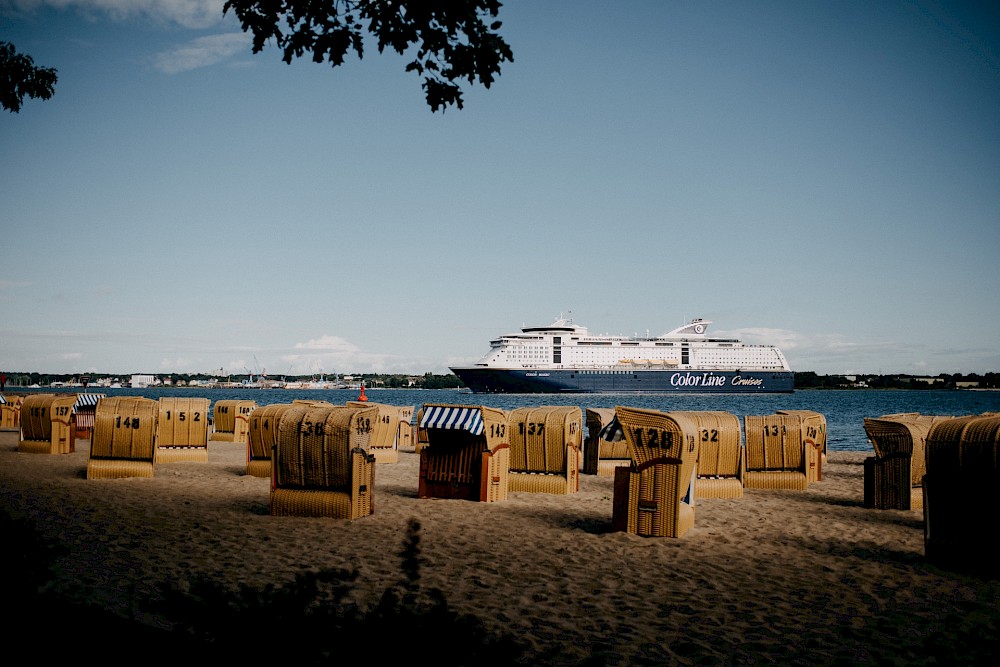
[182, 416]
[245, 410]
[709, 435]
[62, 411]
[773, 430]
[498, 430]
[812, 432]
[654, 438]
[311, 428]
[364, 425]
[223, 409]
[37, 412]
[534, 428]
[127, 422]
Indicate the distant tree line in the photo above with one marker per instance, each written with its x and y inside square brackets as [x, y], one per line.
[810, 380]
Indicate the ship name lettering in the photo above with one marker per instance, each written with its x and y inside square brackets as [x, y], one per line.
[746, 382]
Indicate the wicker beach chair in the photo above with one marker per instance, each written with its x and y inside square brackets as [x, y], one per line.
[321, 464]
[813, 435]
[600, 455]
[962, 492]
[721, 459]
[47, 424]
[652, 496]
[10, 412]
[544, 446]
[262, 436]
[405, 431]
[384, 442]
[467, 453]
[893, 478]
[776, 454]
[182, 429]
[231, 420]
[124, 441]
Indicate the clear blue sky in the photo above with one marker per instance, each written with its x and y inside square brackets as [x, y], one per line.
[824, 176]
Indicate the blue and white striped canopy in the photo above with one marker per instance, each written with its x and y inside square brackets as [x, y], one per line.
[83, 400]
[2, 399]
[612, 432]
[454, 417]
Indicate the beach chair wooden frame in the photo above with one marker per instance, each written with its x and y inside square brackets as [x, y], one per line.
[467, 453]
[231, 420]
[721, 457]
[182, 429]
[961, 492]
[124, 441]
[652, 496]
[545, 442]
[320, 462]
[777, 455]
[601, 456]
[893, 478]
[47, 425]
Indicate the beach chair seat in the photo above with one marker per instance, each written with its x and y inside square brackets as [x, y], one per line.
[544, 446]
[893, 478]
[124, 440]
[602, 455]
[47, 424]
[231, 420]
[776, 453]
[962, 492]
[467, 452]
[182, 429]
[262, 436]
[813, 435]
[321, 465]
[721, 459]
[652, 496]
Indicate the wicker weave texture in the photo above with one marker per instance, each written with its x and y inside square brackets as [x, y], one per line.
[231, 420]
[541, 436]
[118, 469]
[313, 449]
[47, 424]
[263, 433]
[385, 427]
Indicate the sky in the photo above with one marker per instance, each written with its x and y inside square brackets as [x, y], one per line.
[822, 176]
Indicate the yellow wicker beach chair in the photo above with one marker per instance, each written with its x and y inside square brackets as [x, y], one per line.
[652, 496]
[182, 429]
[893, 478]
[813, 435]
[600, 455]
[10, 412]
[231, 420]
[962, 491]
[262, 436]
[321, 464]
[467, 453]
[405, 436]
[47, 424]
[721, 459]
[124, 441]
[776, 454]
[544, 446]
[383, 444]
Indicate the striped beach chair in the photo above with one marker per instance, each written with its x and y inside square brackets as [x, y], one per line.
[467, 453]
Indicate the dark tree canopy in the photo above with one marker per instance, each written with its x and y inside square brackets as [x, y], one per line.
[452, 41]
[20, 77]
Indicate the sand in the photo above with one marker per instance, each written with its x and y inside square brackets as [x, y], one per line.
[776, 577]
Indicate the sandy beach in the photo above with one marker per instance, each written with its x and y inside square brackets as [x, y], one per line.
[776, 577]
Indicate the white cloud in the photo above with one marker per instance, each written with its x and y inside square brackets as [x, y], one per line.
[202, 52]
[186, 13]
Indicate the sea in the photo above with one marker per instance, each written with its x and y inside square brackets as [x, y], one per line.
[844, 410]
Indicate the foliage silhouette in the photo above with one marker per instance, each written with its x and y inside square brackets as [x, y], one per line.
[20, 77]
[452, 41]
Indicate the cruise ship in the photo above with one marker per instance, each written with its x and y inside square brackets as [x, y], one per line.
[564, 357]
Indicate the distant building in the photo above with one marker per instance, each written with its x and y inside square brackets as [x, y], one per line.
[141, 381]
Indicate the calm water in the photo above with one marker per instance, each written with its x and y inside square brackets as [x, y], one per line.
[844, 410]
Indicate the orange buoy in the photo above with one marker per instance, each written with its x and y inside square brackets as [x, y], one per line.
[362, 397]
